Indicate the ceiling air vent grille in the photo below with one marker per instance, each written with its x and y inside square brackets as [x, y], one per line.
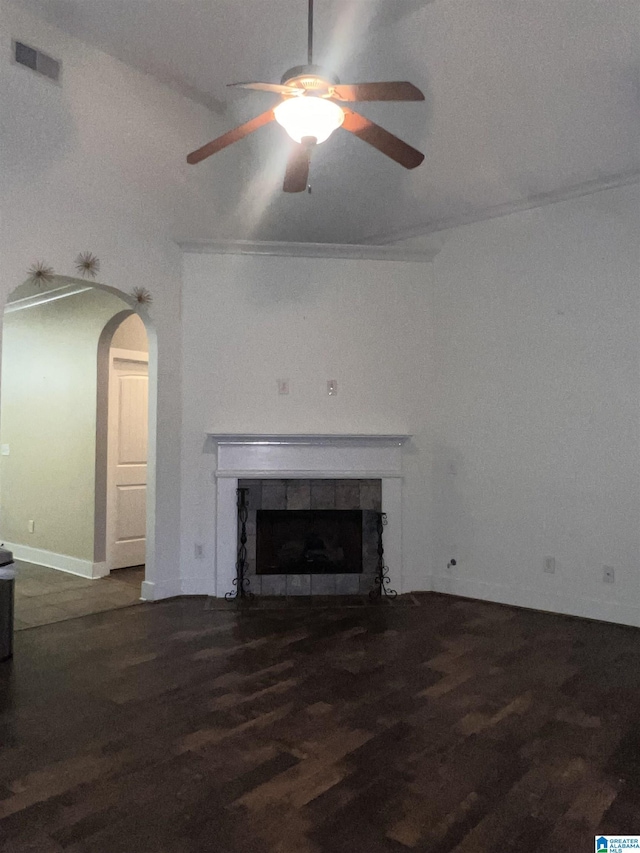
[36, 60]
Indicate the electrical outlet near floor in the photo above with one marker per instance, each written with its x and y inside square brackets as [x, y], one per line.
[32, 526]
[549, 565]
[608, 574]
[199, 551]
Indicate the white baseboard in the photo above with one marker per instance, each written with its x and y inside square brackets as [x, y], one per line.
[152, 591]
[61, 562]
[562, 602]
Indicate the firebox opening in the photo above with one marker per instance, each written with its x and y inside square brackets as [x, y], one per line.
[308, 542]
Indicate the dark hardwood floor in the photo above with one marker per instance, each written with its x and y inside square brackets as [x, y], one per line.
[436, 724]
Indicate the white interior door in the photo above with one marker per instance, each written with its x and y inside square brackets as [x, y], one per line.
[127, 458]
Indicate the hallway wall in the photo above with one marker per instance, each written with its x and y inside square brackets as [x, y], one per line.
[48, 425]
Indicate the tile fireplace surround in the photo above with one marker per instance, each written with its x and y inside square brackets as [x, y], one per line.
[292, 495]
[305, 457]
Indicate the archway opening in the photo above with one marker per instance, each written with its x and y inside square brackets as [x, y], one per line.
[58, 345]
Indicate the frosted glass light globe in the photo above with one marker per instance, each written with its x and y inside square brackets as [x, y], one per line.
[308, 115]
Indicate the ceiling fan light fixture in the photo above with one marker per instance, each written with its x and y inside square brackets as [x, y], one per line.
[309, 116]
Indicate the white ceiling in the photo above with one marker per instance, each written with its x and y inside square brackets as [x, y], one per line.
[526, 101]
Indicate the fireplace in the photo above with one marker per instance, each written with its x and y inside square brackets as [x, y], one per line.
[311, 537]
[308, 541]
[297, 472]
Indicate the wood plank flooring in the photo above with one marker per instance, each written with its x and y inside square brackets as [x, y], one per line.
[448, 726]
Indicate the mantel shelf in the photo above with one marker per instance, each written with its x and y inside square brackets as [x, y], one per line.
[311, 439]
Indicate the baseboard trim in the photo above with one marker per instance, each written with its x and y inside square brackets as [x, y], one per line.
[563, 603]
[61, 562]
[151, 591]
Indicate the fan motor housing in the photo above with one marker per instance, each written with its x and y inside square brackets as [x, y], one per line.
[309, 78]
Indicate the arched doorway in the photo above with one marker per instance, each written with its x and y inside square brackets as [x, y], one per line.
[52, 403]
[122, 442]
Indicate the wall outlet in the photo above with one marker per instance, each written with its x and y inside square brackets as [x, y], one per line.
[549, 565]
[332, 387]
[32, 526]
[198, 551]
[608, 574]
[283, 386]
[5, 450]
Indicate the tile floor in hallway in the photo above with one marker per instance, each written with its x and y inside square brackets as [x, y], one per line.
[44, 595]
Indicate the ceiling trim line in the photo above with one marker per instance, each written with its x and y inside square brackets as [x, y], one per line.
[498, 211]
[348, 251]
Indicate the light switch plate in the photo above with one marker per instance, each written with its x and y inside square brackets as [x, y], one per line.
[4, 449]
[332, 387]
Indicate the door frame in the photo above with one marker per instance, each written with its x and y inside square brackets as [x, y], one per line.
[116, 354]
[102, 415]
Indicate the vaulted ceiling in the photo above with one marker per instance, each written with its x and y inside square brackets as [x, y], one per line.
[527, 101]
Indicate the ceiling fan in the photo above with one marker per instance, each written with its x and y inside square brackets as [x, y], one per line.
[312, 107]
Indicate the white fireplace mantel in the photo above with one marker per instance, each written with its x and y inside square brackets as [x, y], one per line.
[308, 455]
[335, 439]
[314, 456]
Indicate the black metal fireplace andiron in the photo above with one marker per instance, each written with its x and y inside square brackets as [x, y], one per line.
[382, 576]
[240, 582]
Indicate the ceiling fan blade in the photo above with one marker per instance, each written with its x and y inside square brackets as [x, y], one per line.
[296, 177]
[393, 91]
[229, 138]
[381, 139]
[276, 88]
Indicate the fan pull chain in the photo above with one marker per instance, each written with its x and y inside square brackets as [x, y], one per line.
[310, 48]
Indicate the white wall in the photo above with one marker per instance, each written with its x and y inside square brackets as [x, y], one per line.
[513, 359]
[249, 321]
[98, 163]
[536, 424]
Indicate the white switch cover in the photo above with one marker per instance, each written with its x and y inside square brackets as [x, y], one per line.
[4, 449]
[283, 386]
[332, 387]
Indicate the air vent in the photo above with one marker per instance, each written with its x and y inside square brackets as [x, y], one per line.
[36, 60]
